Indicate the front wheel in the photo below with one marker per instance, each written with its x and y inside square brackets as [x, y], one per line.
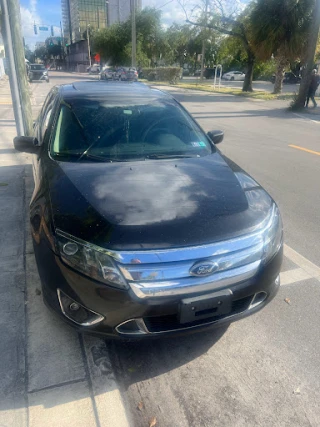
[47, 80]
[232, 79]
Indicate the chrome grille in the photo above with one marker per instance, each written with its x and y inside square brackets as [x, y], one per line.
[161, 273]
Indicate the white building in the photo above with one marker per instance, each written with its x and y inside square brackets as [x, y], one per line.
[120, 10]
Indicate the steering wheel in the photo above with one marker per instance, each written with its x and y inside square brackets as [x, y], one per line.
[150, 129]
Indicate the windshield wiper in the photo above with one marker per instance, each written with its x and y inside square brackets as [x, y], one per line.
[171, 156]
[80, 156]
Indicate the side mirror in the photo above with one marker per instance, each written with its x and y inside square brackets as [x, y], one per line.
[26, 144]
[216, 136]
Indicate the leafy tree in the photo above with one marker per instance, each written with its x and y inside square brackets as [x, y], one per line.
[280, 28]
[29, 55]
[54, 50]
[226, 20]
[308, 58]
[113, 43]
[41, 53]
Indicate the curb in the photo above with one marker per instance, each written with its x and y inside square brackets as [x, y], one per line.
[69, 375]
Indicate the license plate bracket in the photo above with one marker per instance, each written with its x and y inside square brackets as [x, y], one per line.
[206, 306]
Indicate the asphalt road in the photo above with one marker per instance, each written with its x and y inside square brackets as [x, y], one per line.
[263, 370]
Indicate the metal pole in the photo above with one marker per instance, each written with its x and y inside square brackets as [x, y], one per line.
[220, 77]
[107, 14]
[203, 42]
[88, 40]
[17, 68]
[134, 33]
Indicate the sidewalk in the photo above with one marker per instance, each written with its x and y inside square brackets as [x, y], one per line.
[50, 375]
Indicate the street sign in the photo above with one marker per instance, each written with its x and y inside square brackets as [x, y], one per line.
[43, 28]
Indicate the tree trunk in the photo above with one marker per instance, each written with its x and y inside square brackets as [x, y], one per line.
[281, 63]
[311, 49]
[247, 84]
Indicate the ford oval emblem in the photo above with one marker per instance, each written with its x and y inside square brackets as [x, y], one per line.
[204, 268]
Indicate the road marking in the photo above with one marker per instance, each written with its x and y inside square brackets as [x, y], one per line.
[302, 262]
[292, 276]
[306, 269]
[317, 153]
[307, 118]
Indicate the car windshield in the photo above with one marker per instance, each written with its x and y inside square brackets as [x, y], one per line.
[38, 67]
[95, 130]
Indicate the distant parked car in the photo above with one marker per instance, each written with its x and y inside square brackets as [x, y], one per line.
[37, 72]
[209, 73]
[186, 72]
[288, 78]
[234, 75]
[197, 73]
[106, 74]
[94, 69]
[126, 73]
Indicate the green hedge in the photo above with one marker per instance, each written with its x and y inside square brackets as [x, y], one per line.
[165, 74]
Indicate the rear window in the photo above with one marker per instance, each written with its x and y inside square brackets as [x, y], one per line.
[38, 67]
[126, 132]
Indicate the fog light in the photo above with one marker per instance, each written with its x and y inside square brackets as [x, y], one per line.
[74, 306]
[258, 299]
[76, 312]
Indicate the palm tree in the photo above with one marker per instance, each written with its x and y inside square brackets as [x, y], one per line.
[280, 28]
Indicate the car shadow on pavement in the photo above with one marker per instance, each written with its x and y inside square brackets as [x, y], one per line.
[144, 359]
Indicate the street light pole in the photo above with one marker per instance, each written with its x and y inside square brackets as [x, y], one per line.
[88, 40]
[11, 30]
[134, 33]
[204, 42]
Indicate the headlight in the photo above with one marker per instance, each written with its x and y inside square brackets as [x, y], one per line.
[273, 234]
[45, 73]
[89, 259]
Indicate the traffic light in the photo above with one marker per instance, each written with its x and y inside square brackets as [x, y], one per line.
[52, 32]
[35, 29]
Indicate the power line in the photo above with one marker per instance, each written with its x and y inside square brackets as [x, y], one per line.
[165, 4]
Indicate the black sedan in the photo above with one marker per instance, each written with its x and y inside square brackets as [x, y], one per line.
[37, 72]
[141, 227]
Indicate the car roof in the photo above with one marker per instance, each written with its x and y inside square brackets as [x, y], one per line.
[100, 90]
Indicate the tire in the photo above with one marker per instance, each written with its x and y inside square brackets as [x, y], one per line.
[232, 79]
[47, 80]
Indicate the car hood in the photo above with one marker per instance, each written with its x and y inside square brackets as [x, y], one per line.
[154, 203]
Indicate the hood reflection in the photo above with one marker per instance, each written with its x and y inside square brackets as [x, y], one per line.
[148, 197]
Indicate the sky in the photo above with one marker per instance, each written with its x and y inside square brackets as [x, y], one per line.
[48, 12]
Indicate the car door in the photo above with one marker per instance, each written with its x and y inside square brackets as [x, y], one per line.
[237, 75]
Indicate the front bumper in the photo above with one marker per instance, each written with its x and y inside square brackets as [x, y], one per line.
[124, 315]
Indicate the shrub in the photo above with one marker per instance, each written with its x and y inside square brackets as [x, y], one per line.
[167, 74]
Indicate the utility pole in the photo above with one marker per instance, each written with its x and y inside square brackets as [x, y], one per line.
[203, 40]
[134, 33]
[310, 54]
[88, 40]
[61, 46]
[11, 31]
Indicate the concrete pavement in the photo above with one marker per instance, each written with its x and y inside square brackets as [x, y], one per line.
[50, 375]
